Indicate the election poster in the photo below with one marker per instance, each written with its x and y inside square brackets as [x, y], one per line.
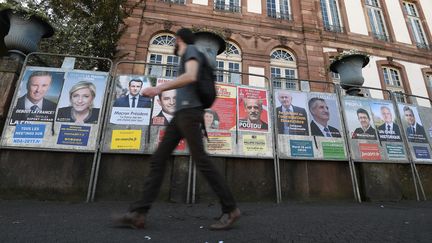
[384, 119]
[219, 143]
[324, 115]
[129, 107]
[252, 108]
[38, 95]
[222, 114]
[359, 119]
[164, 105]
[291, 114]
[57, 109]
[425, 114]
[414, 129]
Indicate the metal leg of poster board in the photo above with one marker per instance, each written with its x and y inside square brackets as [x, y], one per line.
[93, 177]
[189, 183]
[194, 172]
[277, 178]
[412, 165]
[354, 180]
[420, 183]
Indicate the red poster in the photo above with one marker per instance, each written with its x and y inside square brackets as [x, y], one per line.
[253, 109]
[181, 147]
[369, 151]
[223, 110]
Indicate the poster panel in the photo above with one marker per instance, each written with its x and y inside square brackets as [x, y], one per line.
[222, 114]
[291, 115]
[415, 132]
[252, 108]
[374, 131]
[129, 107]
[57, 109]
[163, 105]
[308, 125]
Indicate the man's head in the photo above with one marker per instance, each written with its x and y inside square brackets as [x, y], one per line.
[386, 114]
[38, 84]
[409, 116]
[285, 98]
[167, 100]
[363, 118]
[253, 108]
[184, 37]
[135, 86]
[319, 110]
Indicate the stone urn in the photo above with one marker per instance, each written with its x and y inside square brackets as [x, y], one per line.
[210, 44]
[24, 34]
[349, 68]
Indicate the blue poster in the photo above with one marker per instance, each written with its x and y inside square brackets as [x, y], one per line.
[29, 133]
[73, 135]
[421, 152]
[301, 148]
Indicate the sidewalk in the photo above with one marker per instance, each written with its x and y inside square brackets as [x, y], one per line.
[35, 221]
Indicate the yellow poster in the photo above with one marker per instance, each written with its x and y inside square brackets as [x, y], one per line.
[219, 143]
[126, 139]
[254, 144]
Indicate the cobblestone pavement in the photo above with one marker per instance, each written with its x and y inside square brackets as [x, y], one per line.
[36, 221]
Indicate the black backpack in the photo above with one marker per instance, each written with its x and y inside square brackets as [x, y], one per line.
[206, 83]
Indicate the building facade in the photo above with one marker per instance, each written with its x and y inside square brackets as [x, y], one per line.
[294, 39]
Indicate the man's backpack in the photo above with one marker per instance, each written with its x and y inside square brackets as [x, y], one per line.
[206, 82]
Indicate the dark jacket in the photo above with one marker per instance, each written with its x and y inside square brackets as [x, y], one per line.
[65, 115]
[315, 131]
[47, 107]
[143, 102]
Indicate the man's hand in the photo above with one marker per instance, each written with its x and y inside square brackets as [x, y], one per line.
[151, 91]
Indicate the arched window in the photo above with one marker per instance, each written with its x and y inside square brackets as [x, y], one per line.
[283, 69]
[230, 62]
[161, 52]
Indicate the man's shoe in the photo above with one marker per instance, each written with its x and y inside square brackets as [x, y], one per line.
[133, 220]
[227, 220]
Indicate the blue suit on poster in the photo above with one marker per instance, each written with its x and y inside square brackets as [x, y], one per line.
[143, 102]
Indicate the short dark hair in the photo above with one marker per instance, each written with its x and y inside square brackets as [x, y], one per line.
[406, 108]
[135, 80]
[186, 35]
[361, 110]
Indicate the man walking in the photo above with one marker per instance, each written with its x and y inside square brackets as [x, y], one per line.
[186, 123]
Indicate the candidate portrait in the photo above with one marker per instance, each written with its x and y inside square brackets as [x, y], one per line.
[365, 131]
[291, 119]
[34, 105]
[133, 99]
[320, 113]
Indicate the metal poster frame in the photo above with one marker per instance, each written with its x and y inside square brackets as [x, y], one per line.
[24, 67]
[336, 90]
[416, 176]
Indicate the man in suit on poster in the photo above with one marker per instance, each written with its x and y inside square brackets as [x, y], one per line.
[33, 106]
[253, 109]
[366, 131]
[133, 99]
[415, 132]
[320, 117]
[388, 131]
[291, 119]
[167, 101]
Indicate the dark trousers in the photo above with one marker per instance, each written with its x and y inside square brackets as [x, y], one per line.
[185, 124]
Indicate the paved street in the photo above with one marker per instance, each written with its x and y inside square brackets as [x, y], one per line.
[36, 221]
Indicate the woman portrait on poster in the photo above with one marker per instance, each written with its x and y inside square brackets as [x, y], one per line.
[81, 110]
[211, 119]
